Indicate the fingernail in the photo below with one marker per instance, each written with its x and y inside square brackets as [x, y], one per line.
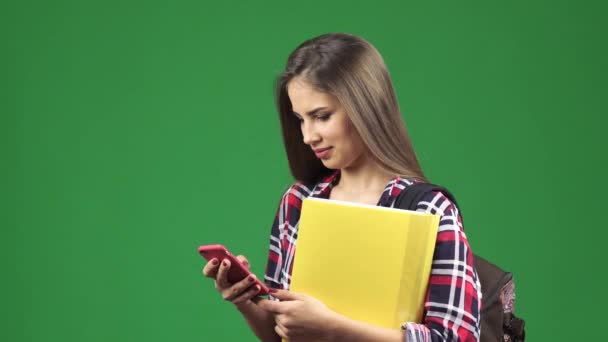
[251, 279]
[215, 262]
[225, 263]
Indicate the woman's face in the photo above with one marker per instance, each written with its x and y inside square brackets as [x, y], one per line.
[325, 126]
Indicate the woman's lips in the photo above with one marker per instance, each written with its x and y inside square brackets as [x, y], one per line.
[323, 153]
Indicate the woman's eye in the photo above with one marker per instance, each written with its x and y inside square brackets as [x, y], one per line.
[324, 117]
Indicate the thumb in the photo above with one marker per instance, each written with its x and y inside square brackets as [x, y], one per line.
[288, 295]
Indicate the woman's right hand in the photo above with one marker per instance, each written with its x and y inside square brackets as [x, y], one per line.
[236, 293]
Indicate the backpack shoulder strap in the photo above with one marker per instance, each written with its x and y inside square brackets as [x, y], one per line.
[409, 197]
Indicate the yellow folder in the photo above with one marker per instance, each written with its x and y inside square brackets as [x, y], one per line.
[365, 262]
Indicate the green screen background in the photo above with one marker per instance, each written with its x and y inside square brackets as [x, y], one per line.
[132, 132]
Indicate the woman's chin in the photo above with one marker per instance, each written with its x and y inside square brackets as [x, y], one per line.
[332, 164]
[329, 164]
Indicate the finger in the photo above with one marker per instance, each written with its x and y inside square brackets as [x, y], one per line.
[243, 260]
[288, 295]
[210, 269]
[250, 293]
[271, 305]
[280, 320]
[280, 331]
[222, 275]
[237, 289]
[247, 282]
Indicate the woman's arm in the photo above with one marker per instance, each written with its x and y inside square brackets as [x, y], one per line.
[453, 303]
[243, 296]
[346, 329]
[260, 321]
[301, 317]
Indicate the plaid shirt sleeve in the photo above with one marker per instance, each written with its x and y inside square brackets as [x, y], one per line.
[453, 299]
[272, 278]
[282, 238]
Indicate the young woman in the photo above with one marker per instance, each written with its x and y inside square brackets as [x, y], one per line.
[346, 140]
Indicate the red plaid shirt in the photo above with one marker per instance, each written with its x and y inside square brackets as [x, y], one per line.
[453, 298]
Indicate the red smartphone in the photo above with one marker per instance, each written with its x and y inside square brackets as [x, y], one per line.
[237, 271]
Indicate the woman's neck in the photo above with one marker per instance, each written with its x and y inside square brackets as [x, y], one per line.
[364, 176]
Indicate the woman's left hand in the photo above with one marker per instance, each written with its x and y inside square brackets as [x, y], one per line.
[300, 317]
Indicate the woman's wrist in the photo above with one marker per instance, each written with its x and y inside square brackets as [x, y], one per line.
[342, 328]
[245, 306]
[334, 324]
[259, 320]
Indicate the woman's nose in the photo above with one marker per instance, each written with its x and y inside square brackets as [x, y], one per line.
[310, 135]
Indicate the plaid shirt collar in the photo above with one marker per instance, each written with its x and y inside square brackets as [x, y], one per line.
[389, 194]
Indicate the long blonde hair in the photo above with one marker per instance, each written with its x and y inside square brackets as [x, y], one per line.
[352, 70]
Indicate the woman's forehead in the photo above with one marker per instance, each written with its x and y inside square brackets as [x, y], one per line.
[304, 97]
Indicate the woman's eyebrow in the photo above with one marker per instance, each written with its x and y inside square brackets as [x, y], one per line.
[312, 112]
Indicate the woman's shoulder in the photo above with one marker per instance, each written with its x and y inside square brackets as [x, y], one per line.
[298, 191]
[434, 202]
